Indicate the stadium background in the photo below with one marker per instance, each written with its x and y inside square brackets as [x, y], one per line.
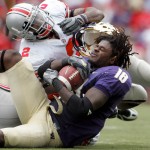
[133, 15]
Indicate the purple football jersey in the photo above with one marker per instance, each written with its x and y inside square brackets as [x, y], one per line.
[113, 81]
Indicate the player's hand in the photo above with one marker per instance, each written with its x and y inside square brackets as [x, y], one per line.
[73, 24]
[82, 66]
[50, 75]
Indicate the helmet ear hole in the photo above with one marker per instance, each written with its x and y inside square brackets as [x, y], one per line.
[25, 25]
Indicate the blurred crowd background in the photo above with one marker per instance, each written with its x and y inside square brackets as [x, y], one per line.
[133, 15]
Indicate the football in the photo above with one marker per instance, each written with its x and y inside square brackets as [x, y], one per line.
[70, 77]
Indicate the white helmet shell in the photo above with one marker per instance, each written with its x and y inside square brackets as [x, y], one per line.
[30, 22]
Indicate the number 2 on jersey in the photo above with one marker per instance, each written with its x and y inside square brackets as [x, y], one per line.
[25, 52]
[121, 75]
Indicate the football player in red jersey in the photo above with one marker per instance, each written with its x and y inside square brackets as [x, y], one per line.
[41, 40]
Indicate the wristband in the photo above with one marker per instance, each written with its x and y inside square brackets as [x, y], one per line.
[84, 17]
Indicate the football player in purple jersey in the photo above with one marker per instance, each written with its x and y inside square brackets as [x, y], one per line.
[83, 42]
[69, 120]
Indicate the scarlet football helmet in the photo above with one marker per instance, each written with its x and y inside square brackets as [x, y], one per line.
[30, 22]
[85, 39]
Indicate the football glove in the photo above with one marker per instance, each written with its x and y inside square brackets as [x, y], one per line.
[44, 67]
[80, 64]
[50, 75]
[73, 24]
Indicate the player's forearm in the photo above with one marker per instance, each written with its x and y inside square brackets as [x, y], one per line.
[56, 64]
[93, 14]
[76, 105]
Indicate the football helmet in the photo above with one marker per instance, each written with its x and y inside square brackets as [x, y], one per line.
[85, 39]
[30, 22]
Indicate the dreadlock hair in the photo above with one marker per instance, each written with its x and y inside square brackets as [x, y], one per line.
[121, 47]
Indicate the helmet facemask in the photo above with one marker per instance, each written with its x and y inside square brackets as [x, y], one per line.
[40, 24]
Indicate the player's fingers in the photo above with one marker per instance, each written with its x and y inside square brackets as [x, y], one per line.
[63, 23]
[70, 32]
[82, 73]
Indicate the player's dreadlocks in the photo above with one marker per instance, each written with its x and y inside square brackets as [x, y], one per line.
[121, 47]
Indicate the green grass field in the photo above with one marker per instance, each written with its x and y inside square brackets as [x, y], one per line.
[122, 135]
[133, 135]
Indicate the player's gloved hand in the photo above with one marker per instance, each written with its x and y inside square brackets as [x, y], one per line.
[79, 63]
[50, 75]
[44, 67]
[73, 24]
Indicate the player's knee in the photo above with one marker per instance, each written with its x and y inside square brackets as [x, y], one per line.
[137, 92]
[8, 58]
[136, 96]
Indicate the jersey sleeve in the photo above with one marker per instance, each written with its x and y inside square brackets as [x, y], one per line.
[114, 82]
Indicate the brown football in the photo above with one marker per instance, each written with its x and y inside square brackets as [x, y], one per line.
[70, 77]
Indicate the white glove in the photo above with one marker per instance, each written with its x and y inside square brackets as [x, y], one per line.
[50, 75]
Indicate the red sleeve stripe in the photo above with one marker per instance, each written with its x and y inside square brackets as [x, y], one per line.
[69, 48]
